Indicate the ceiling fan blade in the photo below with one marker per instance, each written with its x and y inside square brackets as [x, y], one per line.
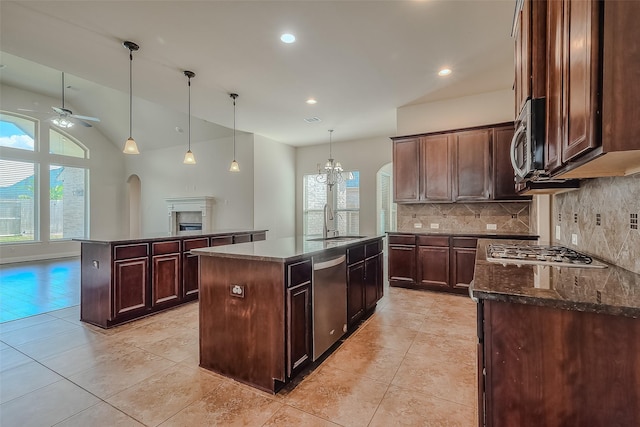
[61, 111]
[27, 110]
[82, 122]
[93, 119]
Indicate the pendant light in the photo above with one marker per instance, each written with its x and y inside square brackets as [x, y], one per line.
[130, 147]
[189, 159]
[331, 174]
[235, 167]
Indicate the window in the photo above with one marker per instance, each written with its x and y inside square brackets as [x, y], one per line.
[28, 149]
[346, 202]
[18, 182]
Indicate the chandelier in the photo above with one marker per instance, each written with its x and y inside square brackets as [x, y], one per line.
[331, 174]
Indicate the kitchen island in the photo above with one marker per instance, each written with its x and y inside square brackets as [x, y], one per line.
[557, 345]
[123, 279]
[269, 309]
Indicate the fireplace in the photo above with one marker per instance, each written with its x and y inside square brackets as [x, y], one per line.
[189, 214]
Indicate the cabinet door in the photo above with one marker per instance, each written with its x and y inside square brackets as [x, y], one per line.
[554, 103]
[471, 166]
[503, 185]
[463, 262]
[371, 282]
[402, 265]
[581, 77]
[380, 278]
[189, 275]
[355, 292]
[433, 267]
[435, 177]
[298, 327]
[522, 56]
[130, 285]
[406, 170]
[166, 278]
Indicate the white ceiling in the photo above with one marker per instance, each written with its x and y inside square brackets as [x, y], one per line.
[361, 60]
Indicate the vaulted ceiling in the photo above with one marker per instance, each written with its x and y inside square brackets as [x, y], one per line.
[360, 60]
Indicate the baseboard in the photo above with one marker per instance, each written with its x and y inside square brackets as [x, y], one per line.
[39, 257]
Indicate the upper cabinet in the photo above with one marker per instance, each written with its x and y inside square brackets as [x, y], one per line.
[592, 51]
[455, 166]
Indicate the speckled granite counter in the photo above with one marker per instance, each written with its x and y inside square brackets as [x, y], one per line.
[165, 236]
[285, 249]
[611, 290]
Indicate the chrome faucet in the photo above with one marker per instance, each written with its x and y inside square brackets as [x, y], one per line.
[328, 216]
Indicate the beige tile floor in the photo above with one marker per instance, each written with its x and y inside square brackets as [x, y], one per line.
[412, 363]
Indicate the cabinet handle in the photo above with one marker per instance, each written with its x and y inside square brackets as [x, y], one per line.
[403, 248]
[520, 172]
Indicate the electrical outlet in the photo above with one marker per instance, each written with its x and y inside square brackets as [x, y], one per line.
[558, 232]
[435, 225]
[574, 239]
[417, 225]
[492, 226]
[95, 263]
[236, 291]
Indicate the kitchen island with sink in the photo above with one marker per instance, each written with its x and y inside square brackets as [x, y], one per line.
[556, 345]
[269, 309]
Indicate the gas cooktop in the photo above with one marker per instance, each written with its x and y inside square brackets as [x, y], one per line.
[558, 256]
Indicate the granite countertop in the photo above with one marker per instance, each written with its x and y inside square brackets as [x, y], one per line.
[285, 249]
[612, 290]
[163, 236]
[480, 234]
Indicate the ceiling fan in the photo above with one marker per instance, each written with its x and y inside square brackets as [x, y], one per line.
[65, 118]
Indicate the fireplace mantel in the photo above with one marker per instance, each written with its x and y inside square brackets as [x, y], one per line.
[202, 205]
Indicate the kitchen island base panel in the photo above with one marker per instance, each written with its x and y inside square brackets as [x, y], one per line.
[242, 334]
[549, 367]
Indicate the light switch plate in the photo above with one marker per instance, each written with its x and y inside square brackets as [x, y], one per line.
[417, 225]
[574, 239]
[492, 226]
[435, 225]
[558, 232]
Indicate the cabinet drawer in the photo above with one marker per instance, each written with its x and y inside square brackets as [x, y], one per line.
[433, 240]
[221, 240]
[196, 243]
[405, 239]
[259, 236]
[299, 273]
[241, 238]
[162, 248]
[355, 254]
[372, 249]
[464, 242]
[130, 251]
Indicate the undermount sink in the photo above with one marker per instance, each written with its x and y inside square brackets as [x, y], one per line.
[335, 238]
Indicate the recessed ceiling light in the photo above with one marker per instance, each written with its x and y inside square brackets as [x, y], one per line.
[311, 101]
[312, 120]
[179, 129]
[444, 72]
[288, 38]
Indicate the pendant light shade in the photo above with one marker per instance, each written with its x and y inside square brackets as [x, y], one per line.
[189, 159]
[130, 147]
[235, 167]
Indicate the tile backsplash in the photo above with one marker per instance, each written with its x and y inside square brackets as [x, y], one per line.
[603, 215]
[465, 217]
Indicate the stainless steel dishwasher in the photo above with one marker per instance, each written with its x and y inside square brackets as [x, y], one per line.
[329, 302]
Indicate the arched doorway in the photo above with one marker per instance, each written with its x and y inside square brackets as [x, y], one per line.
[386, 209]
[135, 215]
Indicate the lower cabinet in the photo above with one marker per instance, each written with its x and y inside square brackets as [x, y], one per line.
[364, 280]
[130, 283]
[544, 366]
[165, 264]
[438, 263]
[299, 316]
[355, 292]
[190, 267]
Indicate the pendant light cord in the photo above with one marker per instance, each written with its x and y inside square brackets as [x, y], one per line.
[234, 128]
[189, 113]
[63, 90]
[130, 92]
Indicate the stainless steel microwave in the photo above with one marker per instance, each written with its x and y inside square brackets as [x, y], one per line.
[527, 145]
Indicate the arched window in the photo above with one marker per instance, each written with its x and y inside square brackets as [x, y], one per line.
[39, 163]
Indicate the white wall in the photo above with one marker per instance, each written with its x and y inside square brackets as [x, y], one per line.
[163, 175]
[474, 110]
[107, 186]
[366, 156]
[274, 187]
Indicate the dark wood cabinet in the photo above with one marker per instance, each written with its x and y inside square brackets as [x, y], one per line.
[256, 237]
[554, 102]
[299, 316]
[433, 262]
[130, 284]
[127, 279]
[463, 260]
[471, 170]
[402, 260]
[543, 366]
[355, 292]
[436, 163]
[372, 281]
[364, 280]
[406, 171]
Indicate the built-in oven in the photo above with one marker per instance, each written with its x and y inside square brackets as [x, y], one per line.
[527, 145]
